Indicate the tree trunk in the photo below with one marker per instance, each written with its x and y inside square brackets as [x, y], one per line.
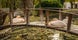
[29, 4]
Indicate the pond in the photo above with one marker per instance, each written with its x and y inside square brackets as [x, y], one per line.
[34, 33]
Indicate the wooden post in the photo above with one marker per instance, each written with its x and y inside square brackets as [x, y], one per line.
[60, 15]
[10, 17]
[41, 15]
[14, 7]
[27, 15]
[47, 18]
[11, 12]
[69, 22]
[26, 11]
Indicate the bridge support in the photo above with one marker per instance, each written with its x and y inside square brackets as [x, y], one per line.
[60, 15]
[27, 15]
[41, 15]
[69, 22]
[47, 18]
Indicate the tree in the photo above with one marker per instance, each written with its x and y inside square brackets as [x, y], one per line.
[50, 3]
[62, 1]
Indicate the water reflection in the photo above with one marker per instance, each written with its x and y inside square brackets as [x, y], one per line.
[36, 33]
[56, 36]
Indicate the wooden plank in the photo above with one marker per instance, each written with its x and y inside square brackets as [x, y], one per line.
[8, 26]
[69, 22]
[53, 10]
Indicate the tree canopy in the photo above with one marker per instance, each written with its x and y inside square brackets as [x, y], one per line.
[43, 3]
[50, 3]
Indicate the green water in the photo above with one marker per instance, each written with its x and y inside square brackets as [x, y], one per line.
[36, 33]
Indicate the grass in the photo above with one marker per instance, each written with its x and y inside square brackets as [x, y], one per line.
[76, 22]
[34, 18]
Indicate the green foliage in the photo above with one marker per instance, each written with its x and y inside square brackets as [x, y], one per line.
[76, 22]
[18, 3]
[62, 1]
[3, 3]
[67, 0]
[12, 3]
[34, 18]
[51, 3]
[55, 4]
[36, 2]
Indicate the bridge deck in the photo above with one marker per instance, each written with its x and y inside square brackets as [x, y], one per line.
[74, 28]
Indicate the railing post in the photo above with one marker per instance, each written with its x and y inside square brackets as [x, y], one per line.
[47, 18]
[60, 14]
[41, 15]
[10, 17]
[26, 11]
[27, 16]
[11, 12]
[69, 22]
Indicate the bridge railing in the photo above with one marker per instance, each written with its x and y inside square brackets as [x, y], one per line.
[46, 13]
